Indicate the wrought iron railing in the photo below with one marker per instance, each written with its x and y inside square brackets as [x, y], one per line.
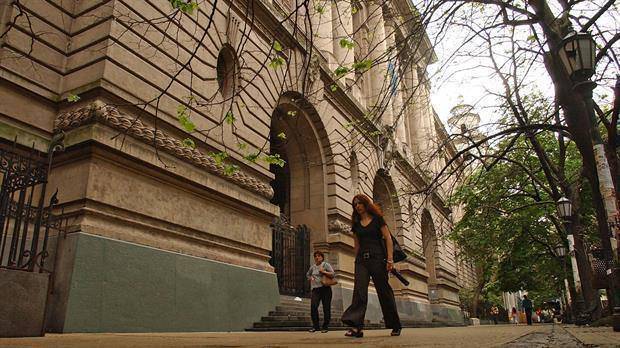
[291, 257]
[26, 222]
[601, 262]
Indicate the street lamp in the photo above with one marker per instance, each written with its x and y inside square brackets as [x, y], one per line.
[565, 211]
[560, 252]
[565, 208]
[578, 55]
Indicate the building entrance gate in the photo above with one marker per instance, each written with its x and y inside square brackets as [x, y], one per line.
[291, 257]
[26, 227]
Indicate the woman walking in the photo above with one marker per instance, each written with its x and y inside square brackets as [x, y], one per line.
[372, 259]
[320, 293]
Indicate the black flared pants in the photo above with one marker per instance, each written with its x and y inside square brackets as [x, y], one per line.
[355, 314]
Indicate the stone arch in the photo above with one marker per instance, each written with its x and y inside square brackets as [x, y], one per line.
[384, 193]
[429, 247]
[300, 187]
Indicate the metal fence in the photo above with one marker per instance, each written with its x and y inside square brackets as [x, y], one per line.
[26, 219]
[291, 257]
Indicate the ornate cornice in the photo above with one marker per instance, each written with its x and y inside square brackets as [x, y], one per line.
[98, 112]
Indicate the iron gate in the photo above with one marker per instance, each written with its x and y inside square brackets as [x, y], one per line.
[25, 220]
[291, 257]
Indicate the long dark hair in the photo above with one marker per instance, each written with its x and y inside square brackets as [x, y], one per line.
[371, 207]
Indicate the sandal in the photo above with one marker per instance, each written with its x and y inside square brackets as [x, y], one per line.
[354, 333]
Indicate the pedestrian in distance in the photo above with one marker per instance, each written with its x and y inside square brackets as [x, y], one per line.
[321, 293]
[374, 260]
[494, 313]
[527, 307]
[515, 316]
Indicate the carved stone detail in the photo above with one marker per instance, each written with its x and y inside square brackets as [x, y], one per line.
[232, 28]
[313, 79]
[110, 116]
[338, 225]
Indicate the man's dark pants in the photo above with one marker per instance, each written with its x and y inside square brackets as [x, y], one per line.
[324, 295]
[528, 315]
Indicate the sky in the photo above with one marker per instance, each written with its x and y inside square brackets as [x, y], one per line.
[464, 81]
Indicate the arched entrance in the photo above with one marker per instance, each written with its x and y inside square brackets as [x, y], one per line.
[299, 190]
[384, 194]
[429, 248]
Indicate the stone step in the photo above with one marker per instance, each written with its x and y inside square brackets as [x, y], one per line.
[300, 314]
[307, 319]
[295, 308]
[292, 328]
[304, 323]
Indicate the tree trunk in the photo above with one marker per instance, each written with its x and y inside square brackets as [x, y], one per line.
[477, 292]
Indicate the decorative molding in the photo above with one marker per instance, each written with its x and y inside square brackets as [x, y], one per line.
[338, 225]
[110, 116]
[232, 28]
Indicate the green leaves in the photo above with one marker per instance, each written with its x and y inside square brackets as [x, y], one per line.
[184, 6]
[320, 9]
[277, 46]
[230, 169]
[252, 157]
[354, 10]
[333, 87]
[363, 65]
[274, 159]
[229, 118]
[282, 135]
[219, 157]
[72, 98]
[341, 71]
[276, 62]
[187, 142]
[291, 113]
[347, 43]
[184, 118]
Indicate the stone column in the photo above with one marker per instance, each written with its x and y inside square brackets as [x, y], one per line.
[417, 130]
[397, 97]
[379, 93]
[321, 15]
[342, 27]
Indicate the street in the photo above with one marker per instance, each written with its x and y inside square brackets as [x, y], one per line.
[478, 336]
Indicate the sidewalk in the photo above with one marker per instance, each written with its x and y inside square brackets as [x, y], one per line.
[595, 336]
[478, 336]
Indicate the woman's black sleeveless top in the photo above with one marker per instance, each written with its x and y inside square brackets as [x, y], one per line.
[370, 237]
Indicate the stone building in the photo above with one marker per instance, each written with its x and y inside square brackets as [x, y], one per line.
[164, 235]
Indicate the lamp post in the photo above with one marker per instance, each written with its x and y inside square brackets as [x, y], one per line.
[565, 211]
[578, 55]
[560, 252]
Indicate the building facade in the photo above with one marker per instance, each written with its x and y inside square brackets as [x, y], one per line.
[175, 121]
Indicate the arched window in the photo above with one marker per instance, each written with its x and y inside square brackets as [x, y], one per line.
[354, 173]
[227, 73]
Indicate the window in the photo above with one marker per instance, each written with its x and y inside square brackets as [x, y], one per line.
[227, 72]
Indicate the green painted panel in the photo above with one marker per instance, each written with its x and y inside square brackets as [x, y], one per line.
[123, 287]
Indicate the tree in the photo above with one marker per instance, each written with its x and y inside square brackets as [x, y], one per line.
[509, 213]
[517, 43]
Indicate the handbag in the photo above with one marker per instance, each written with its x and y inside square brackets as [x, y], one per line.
[328, 281]
[398, 254]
